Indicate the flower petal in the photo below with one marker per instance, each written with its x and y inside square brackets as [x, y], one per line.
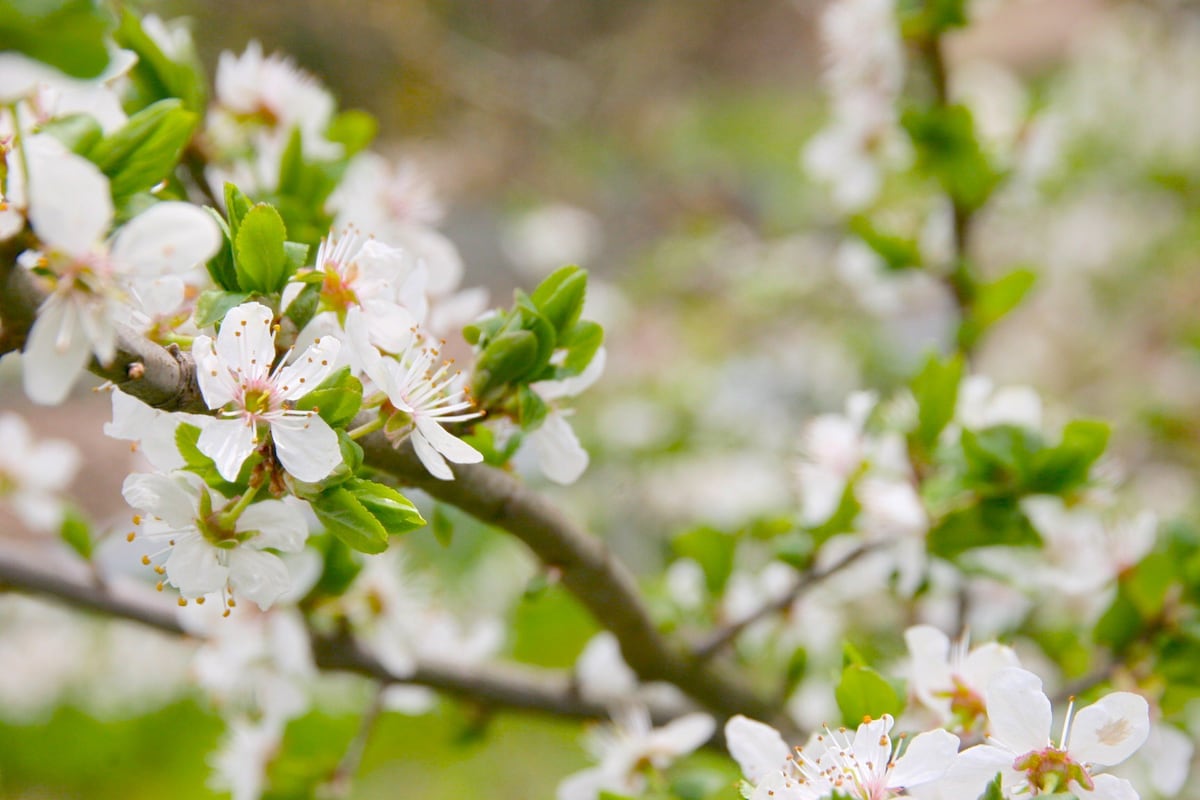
[258, 576]
[193, 567]
[69, 203]
[164, 497]
[560, 455]
[307, 447]
[228, 442]
[446, 443]
[927, 758]
[757, 747]
[56, 352]
[1110, 787]
[679, 737]
[314, 365]
[216, 384]
[1109, 731]
[430, 457]
[279, 525]
[167, 237]
[1019, 711]
[246, 343]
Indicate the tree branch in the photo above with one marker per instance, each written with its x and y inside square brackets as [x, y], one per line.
[808, 579]
[499, 685]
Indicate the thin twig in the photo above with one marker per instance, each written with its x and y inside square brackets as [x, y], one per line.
[807, 580]
[342, 779]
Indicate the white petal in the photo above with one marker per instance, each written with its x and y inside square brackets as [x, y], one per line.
[167, 237]
[601, 672]
[1109, 787]
[279, 525]
[313, 366]
[871, 742]
[757, 747]
[430, 457]
[1019, 711]
[446, 443]
[985, 661]
[927, 758]
[246, 343]
[559, 453]
[56, 352]
[258, 576]
[680, 737]
[216, 384]
[929, 650]
[307, 447]
[974, 769]
[193, 567]
[1109, 731]
[171, 500]
[777, 786]
[570, 387]
[228, 442]
[584, 785]
[69, 202]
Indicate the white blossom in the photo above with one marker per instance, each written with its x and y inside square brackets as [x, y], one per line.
[34, 473]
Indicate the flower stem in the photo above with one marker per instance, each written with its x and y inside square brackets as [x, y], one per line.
[365, 428]
[229, 517]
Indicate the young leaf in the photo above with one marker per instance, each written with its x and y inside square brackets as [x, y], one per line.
[560, 297]
[992, 301]
[260, 258]
[76, 532]
[395, 512]
[237, 205]
[146, 149]
[863, 692]
[348, 519]
[213, 305]
[337, 398]
[353, 130]
[935, 388]
[69, 35]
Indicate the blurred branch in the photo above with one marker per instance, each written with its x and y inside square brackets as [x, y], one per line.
[499, 685]
[340, 782]
[807, 580]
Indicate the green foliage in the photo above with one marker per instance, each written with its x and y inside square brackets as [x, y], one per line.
[863, 692]
[259, 256]
[76, 531]
[926, 19]
[339, 566]
[336, 399]
[515, 347]
[146, 149]
[354, 130]
[78, 132]
[995, 789]
[344, 515]
[70, 35]
[394, 511]
[990, 522]
[712, 549]
[948, 150]
[214, 304]
[156, 76]
[935, 388]
[897, 252]
[991, 302]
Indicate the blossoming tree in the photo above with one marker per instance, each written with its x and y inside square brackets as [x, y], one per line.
[273, 311]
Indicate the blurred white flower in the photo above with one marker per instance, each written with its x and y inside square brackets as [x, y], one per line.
[950, 678]
[33, 473]
[552, 236]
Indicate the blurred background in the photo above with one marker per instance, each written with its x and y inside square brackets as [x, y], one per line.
[657, 143]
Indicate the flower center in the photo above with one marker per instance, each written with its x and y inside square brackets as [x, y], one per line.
[257, 401]
[966, 704]
[1050, 770]
[337, 292]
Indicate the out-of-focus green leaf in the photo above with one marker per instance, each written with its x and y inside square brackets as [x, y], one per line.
[863, 693]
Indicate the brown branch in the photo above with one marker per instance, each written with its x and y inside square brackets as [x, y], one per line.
[499, 685]
[807, 580]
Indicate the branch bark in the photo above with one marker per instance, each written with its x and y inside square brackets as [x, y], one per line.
[500, 685]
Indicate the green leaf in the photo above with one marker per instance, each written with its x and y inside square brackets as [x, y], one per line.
[995, 789]
[990, 522]
[237, 205]
[213, 305]
[76, 532]
[935, 388]
[948, 149]
[581, 343]
[78, 132]
[395, 512]
[442, 525]
[69, 35]
[560, 297]
[863, 693]
[353, 129]
[1147, 584]
[992, 302]
[340, 566]
[531, 409]
[712, 549]
[999, 458]
[259, 255]
[505, 358]
[305, 305]
[347, 518]
[1067, 466]
[297, 254]
[220, 266]
[146, 149]
[897, 252]
[337, 398]
[157, 76]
